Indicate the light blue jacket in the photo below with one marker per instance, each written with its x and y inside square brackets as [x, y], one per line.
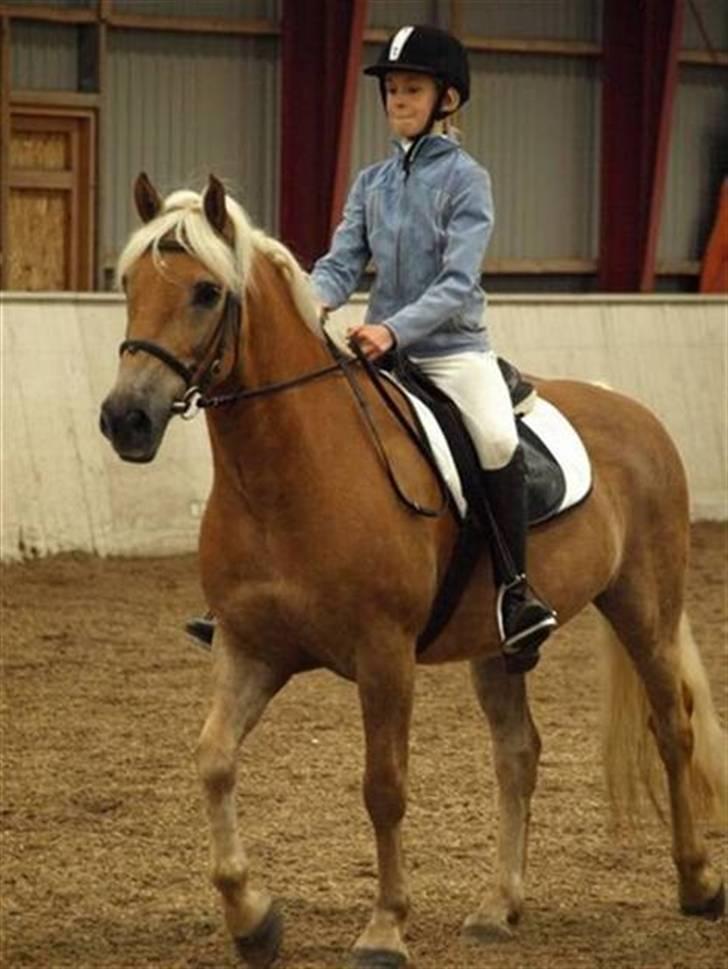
[426, 233]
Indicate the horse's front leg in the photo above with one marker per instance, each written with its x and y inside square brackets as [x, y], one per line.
[242, 688]
[385, 678]
[516, 750]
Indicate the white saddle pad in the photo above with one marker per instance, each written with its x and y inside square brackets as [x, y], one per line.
[548, 423]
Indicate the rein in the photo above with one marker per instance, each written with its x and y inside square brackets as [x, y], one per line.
[412, 432]
[194, 400]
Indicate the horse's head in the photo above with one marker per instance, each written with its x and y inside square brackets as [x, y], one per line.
[183, 274]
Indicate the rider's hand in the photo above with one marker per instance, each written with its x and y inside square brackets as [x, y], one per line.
[374, 339]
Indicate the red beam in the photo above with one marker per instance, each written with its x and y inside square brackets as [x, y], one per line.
[320, 52]
[348, 110]
[663, 98]
[640, 63]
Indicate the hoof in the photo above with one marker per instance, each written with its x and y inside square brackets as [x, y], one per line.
[712, 909]
[260, 949]
[376, 959]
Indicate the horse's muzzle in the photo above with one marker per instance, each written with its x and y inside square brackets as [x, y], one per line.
[133, 427]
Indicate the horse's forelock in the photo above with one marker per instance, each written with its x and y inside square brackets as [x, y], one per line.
[183, 216]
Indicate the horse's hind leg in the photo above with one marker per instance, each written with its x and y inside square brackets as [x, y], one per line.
[516, 750]
[242, 689]
[656, 636]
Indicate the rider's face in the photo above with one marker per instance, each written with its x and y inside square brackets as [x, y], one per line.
[409, 103]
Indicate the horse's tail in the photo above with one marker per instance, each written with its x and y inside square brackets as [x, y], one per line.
[632, 764]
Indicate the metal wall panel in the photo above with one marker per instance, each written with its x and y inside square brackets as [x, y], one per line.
[240, 9]
[44, 56]
[65, 4]
[533, 122]
[181, 106]
[714, 17]
[698, 162]
[543, 19]
[371, 140]
[385, 14]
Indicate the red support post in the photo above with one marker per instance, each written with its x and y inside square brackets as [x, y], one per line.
[348, 110]
[640, 65]
[320, 55]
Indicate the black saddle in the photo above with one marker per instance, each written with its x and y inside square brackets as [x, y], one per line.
[545, 480]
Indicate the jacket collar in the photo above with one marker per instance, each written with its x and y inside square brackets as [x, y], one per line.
[428, 147]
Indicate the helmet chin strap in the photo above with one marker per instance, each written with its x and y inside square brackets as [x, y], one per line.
[437, 114]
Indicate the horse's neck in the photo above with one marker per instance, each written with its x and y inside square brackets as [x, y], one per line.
[277, 343]
[258, 444]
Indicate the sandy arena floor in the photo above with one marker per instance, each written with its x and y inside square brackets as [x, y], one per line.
[104, 839]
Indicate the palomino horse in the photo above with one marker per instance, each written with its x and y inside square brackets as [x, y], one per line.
[309, 560]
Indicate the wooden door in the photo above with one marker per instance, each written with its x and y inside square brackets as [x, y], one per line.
[50, 204]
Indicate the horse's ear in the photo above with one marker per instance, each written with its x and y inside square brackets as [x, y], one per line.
[214, 204]
[147, 199]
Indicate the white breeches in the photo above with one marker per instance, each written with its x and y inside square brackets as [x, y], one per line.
[474, 382]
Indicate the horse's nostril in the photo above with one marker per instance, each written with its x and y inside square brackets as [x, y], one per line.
[137, 420]
[106, 421]
[128, 428]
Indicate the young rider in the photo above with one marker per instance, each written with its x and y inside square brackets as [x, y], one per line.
[424, 217]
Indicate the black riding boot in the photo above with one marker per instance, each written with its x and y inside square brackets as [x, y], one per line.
[202, 628]
[524, 621]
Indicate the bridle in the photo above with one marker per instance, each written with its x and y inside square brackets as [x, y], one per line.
[199, 378]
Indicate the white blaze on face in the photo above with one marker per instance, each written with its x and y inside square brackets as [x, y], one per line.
[398, 42]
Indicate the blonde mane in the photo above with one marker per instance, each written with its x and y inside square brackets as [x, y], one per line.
[183, 219]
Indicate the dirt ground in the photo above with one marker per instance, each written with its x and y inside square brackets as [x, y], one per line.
[104, 839]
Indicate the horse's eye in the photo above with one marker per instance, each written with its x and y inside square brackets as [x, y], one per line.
[205, 295]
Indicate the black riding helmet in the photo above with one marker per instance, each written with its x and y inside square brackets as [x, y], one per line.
[425, 50]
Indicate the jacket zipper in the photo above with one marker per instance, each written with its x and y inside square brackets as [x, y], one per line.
[398, 240]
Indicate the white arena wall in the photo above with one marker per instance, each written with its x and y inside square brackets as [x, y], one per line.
[63, 489]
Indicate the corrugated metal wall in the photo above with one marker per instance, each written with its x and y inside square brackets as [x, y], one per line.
[44, 56]
[546, 19]
[384, 13]
[714, 17]
[66, 4]
[698, 162]
[182, 105]
[534, 121]
[243, 9]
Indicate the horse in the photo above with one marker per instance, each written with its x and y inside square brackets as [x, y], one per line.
[309, 560]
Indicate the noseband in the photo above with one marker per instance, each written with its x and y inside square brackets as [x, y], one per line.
[196, 380]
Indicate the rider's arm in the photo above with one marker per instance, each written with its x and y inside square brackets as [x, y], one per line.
[336, 275]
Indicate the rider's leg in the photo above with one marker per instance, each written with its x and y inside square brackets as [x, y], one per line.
[474, 382]
[524, 620]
